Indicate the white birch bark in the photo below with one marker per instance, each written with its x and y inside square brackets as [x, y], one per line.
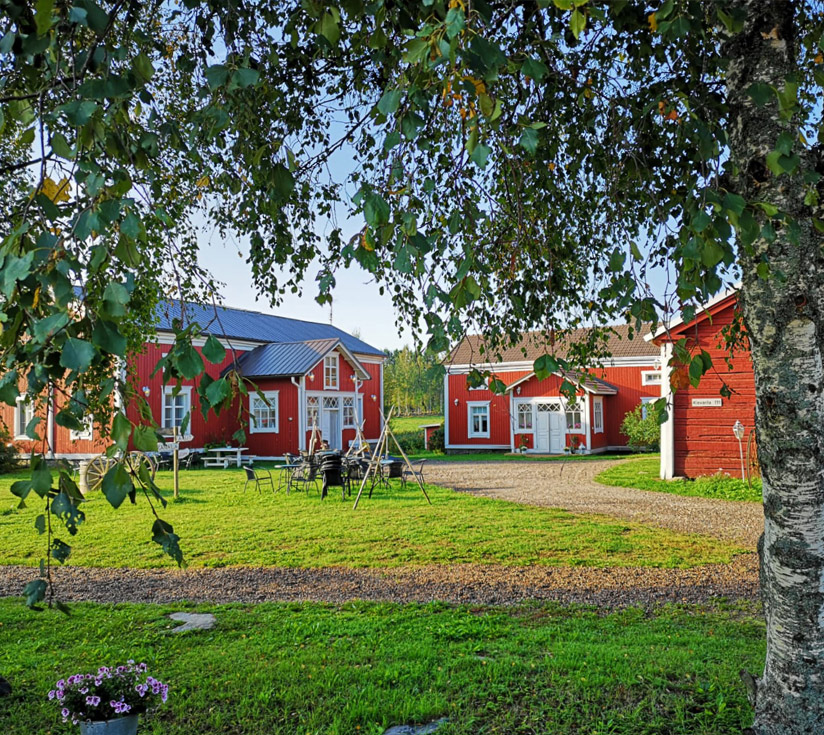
[784, 317]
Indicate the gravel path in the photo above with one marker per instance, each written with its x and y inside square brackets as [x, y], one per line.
[467, 583]
[570, 485]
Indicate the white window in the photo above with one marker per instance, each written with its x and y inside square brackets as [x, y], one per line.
[23, 415]
[644, 401]
[574, 420]
[478, 419]
[263, 412]
[312, 415]
[330, 372]
[598, 415]
[175, 406]
[524, 417]
[650, 377]
[86, 433]
[349, 418]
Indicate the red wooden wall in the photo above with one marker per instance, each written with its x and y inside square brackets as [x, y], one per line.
[704, 442]
[219, 429]
[626, 379]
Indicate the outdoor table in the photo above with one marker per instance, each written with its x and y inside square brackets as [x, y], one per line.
[287, 470]
[221, 456]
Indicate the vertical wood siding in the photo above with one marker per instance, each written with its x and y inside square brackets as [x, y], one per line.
[704, 442]
[271, 444]
[203, 430]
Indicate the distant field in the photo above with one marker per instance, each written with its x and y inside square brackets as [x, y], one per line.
[402, 424]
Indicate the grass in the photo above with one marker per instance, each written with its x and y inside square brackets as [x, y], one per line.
[221, 526]
[403, 424]
[307, 668]
[643, 474]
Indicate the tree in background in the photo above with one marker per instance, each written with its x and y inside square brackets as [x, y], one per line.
[517, 166]
[412, 382]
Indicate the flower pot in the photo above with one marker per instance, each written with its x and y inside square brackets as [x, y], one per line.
[118, 726]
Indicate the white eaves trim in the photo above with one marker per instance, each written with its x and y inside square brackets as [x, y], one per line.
[168, 338]
[678, 321]
[634, 361]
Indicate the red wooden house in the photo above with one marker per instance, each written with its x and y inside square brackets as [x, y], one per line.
[310, 373]
[697, 438]
[533, 413]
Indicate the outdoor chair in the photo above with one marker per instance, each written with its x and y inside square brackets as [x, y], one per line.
[413, 472]
[306, 474]
[333, 474]
[259, 477]
[392, 470]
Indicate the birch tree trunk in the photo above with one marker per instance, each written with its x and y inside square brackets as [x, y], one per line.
[784, 316]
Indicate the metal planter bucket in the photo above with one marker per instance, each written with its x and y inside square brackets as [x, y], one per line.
[120, 726]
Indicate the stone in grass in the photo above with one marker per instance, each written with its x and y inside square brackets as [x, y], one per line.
[193, 621]
[416, 729]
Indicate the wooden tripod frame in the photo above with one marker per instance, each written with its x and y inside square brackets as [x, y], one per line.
[374, 463]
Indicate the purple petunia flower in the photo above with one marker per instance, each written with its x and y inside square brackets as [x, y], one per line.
[93, 700]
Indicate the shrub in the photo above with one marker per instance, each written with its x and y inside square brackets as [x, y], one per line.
[410, 441]
[643, 433]
[436, 440]
[8, 452]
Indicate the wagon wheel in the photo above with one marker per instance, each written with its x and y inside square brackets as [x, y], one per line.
[136, 460]
[97, 470]
[753, 465]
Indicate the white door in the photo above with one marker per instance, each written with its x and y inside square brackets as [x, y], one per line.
[549, 431]
[330, 422]
[556, 431]
[542, 428]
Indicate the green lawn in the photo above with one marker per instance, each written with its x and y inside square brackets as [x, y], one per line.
[285, 669]
[644, 474]
[402, 424]
[220, 526]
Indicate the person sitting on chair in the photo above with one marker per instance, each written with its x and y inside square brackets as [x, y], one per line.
[324, 446]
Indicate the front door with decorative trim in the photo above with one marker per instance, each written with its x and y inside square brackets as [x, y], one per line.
[549, 431]
[330, 421]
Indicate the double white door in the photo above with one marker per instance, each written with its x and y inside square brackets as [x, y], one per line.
[549, 428]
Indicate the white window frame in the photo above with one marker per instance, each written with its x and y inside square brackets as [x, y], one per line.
[23, 409]
[651, 377]
[644, 401]
[312, 409]
[169, 391]
[329, 370]
[520, 410]
[469, 429]
[86, 434]
[272, 396]
[572, 410]
[597, 415]
[351, 401]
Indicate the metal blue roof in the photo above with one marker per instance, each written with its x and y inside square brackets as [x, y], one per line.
[283, 359]
[222, 321]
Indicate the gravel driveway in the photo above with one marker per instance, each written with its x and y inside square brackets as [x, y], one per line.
[570, 485]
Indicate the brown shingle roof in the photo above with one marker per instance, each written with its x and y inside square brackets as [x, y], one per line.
[532, 345]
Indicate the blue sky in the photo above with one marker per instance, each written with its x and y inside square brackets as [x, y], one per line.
[357, 303]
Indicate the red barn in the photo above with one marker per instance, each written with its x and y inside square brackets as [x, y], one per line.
[310, 373]
[532, 413]
[697, 438]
